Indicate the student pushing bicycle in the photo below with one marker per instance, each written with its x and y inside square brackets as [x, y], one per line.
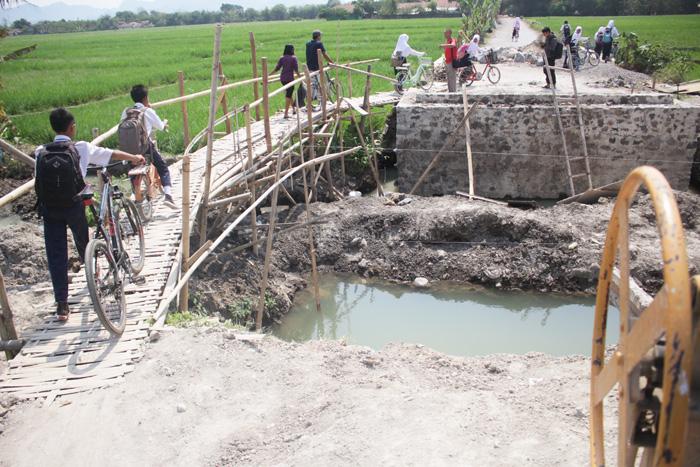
[59, 180]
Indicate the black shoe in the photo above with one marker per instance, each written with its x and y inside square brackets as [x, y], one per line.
[62, 311]
[169, 202]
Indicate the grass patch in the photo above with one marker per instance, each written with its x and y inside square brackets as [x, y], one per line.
[75, 70]
[676, 31]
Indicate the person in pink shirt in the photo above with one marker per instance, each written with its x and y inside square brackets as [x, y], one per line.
[290, 67]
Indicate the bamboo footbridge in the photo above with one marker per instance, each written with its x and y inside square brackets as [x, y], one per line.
[220, 185]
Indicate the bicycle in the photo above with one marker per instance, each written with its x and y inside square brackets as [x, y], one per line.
[516, 35]
[331, 89]
[587, 54]
[468, 75]
[145, 184]
[423, 77]
[115, 254]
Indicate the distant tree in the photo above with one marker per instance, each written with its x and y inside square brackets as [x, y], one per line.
[389, 8]
[251, 14]
[106, 22]
[21, 24]
[432, 6]
[332, 3]
[278, 12]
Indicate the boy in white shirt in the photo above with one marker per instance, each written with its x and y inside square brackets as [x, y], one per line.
[139, 94]
[58, 197]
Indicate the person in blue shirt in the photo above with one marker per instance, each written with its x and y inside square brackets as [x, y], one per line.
[312, 47]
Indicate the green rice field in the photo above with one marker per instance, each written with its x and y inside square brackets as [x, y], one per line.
[677, 31]
[91, 73]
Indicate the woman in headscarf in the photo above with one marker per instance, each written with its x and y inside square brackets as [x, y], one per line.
[573, 47]
[609, 36]
[599, 40]
[516, 29]
[402, 51]
[613, 30]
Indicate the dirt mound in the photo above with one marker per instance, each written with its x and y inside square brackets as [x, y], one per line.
[22, 256]
[449, 238]
[213, 398]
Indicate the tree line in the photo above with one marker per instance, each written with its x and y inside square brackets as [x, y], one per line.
[230, 13]
[598, 7]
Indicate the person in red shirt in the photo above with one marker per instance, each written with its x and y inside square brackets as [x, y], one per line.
[450, 47]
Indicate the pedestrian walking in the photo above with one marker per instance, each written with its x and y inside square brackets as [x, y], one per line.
[290, 66]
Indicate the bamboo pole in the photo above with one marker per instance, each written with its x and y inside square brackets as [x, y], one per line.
[183, 108]
[365, 100]
[310, 114]
[210, 135]
[368, 73]
[224, 100]
[349, 84]
[17, 154]
[322, 83]
[449, 142]
[254, 61]
[185, 292]
[172, 293]
[7, 325]
[468, 140]
[249, 141]
[270, 236]
[370, 155]
[307, 203]
[266, 105]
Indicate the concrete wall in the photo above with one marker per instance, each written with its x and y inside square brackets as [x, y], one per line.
[517, 146]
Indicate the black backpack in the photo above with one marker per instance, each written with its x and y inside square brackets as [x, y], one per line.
[566, 31]
[558, 50]
[58, 178]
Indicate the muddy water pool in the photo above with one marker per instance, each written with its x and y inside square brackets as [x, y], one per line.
[447, 317]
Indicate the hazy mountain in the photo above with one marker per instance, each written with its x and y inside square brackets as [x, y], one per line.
[60, 10]
[54, 11]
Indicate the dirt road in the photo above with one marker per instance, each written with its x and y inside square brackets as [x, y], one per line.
[502, 35]
[200, 398]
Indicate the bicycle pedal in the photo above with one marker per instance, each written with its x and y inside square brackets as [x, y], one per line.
[138, 280]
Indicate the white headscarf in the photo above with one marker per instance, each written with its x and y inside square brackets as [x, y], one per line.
[611, 24]
[577, 34]
[601, 30]
[517, 22]
[473, 49]
[405, 50]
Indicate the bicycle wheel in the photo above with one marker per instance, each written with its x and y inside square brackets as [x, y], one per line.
[466, 77]
[401, 78]
[145, 206]
[335, 89]
[494, 75]
[131, 230]
[106, 286]
[426, 81]
[593, 59]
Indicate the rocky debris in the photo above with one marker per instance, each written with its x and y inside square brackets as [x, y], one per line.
[358, 242]
[22, 257]
[355, 194]
[181, 408]
[153, 337]
[405, 201]
[421, 282]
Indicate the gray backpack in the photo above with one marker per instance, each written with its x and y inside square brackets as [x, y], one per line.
[133, 135]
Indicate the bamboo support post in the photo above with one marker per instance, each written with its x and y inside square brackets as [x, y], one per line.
[468, 140]
[7, 325]
[224, 99]
[249, 142]
[311, 141]
[449, 142]
[17, 154]
[365, 100]
[349, 84]
[322, 81]
[270, 238]
[185, 293]
[210, 139]
[254, 61]
[183, 108]
[368, 73]
[371, 156]
[307, 203]
[266, 104]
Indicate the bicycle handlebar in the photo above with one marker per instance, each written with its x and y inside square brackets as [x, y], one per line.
[108, 166]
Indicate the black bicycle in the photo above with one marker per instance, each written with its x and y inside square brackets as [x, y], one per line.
[116, 254]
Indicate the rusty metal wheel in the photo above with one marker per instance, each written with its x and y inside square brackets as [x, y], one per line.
[652, 365]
